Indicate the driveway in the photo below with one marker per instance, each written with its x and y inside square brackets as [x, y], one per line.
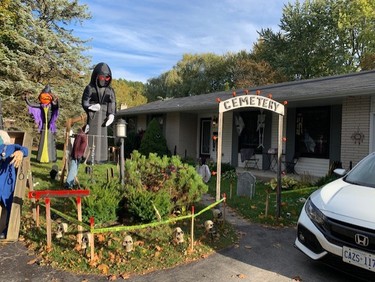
[262, 254]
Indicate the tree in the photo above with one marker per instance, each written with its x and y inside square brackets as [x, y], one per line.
[128, 93]
[206, 73]
[244, 71]
[153, 140]
[319, 38]
[37, 47]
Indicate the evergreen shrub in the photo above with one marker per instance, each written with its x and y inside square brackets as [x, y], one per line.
[153, 140]
[102, 202]
[155, 186]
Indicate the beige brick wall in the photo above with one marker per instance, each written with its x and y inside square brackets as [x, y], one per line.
[355, 118]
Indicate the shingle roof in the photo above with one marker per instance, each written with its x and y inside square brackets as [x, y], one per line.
[325, 88]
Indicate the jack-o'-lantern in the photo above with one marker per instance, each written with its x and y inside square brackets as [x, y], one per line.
[45, 98]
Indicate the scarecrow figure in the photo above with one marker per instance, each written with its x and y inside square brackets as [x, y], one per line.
[45, 114]
[99, 102]
[11, 156]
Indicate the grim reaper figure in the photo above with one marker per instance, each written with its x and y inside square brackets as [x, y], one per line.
[99, 102]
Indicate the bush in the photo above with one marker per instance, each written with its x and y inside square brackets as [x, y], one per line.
[153, 140]
[102, 202]
[155, 186]
[287, 183]
[133, 142]
[224, 167]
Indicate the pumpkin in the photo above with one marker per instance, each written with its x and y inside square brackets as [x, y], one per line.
[45, 98]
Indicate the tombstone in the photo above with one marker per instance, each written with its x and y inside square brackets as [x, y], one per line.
[246, 184]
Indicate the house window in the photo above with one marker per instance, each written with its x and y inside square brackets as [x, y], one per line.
[312, 132]
[131, 124]
[205, 137]
[247, 129]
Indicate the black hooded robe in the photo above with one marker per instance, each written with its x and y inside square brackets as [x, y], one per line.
[105, 96]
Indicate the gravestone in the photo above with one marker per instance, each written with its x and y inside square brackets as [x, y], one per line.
[246, 184]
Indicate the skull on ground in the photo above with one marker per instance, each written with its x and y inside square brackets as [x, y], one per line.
[209, 225]
[61, 229]
[128, 243]
[218, 216]
[178, 235]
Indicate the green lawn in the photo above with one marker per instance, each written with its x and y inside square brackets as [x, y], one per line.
[255, 209]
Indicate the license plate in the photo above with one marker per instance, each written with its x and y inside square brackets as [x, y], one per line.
[358, 258]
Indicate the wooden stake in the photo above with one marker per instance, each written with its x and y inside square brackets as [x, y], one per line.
[192, 229]
[79, 217]
[48, 222]
[37, 213]
[91, 240]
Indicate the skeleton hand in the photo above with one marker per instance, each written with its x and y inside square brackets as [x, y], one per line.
[95, 107]
[110, 119]
[17, 158]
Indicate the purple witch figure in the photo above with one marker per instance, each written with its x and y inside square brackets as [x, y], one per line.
[45, 114]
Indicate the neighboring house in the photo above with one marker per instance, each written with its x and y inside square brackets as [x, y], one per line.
[329, 120]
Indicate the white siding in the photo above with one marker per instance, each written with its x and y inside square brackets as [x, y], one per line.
[275, 129]
[188, 136]
[355, 118]
[227, 137]
[312, 167]
[141, 122]
[172, 130]
[372, 125]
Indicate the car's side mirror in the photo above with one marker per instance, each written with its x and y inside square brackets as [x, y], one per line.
[340, 171]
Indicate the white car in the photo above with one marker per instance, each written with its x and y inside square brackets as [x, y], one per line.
[338, 220]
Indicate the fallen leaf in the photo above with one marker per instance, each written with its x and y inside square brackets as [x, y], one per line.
[32, 261]
[103, 268]
[139, 243]
[100, 237]
[125, 276]
[112, 257]
[277, 245]
[297, 279]
[112, 277]
[241, 276]
[248, 247]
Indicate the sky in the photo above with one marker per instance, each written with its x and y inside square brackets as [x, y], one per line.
[141, 39]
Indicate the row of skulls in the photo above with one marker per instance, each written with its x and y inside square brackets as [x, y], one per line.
[128, 243]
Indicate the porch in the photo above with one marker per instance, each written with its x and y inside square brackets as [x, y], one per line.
[267, 175]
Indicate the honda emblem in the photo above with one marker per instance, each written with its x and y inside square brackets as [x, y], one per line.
[361, 240]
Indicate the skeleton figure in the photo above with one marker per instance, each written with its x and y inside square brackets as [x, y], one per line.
[218, 216]
[128, 243]
[178, 235]
[61, 229]
[261, 126]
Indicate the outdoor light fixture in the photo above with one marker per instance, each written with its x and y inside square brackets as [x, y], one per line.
[121, 128]
[121, 133]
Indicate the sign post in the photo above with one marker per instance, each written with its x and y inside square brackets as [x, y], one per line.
[252, 101]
